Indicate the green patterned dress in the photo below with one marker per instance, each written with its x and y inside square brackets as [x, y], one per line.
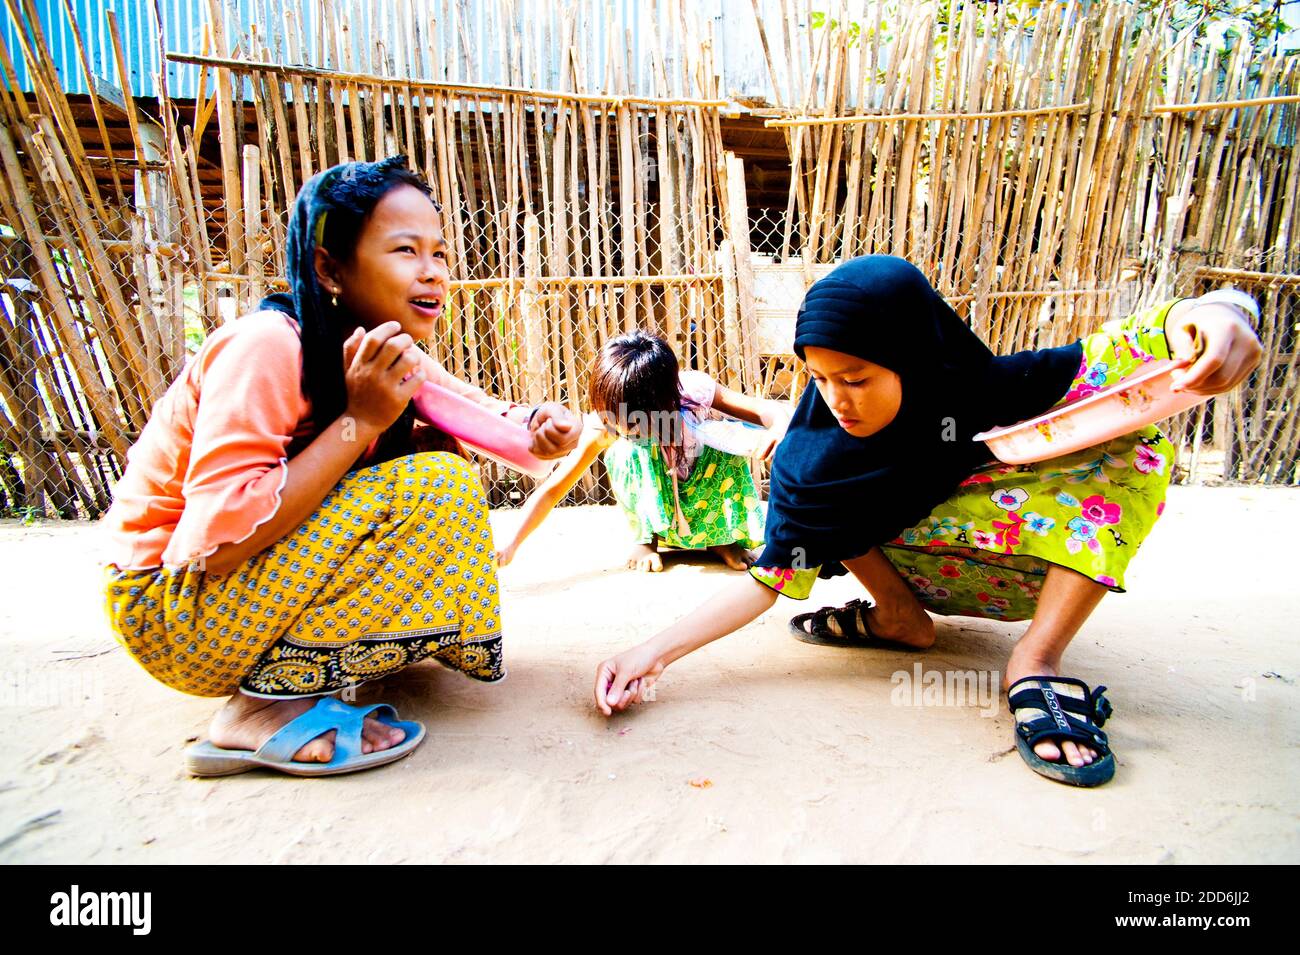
[715, 503]
[985, 551]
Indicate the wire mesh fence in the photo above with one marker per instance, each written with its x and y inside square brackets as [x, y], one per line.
[533, 337]
[525, 338]
[1249, 434]
[573, 218]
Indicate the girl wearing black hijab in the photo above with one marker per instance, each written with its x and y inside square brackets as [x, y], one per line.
[878, 473]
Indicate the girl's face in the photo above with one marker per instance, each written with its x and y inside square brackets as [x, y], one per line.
[643, 427]
[863, 396]
[398, 272]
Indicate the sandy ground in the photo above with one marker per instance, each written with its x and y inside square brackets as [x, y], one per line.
[811, 753]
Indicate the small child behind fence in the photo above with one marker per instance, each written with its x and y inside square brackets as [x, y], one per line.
[676, 454]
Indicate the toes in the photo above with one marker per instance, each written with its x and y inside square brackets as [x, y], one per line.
[1072, 755]
[743, 558]
[1068, 752]
[1047, 750]
[380, 735]
[646, 561]
[732, 555]
[374, 736]
[319, 750]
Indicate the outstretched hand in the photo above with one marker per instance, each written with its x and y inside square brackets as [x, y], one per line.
[767, 447]
[627, 678]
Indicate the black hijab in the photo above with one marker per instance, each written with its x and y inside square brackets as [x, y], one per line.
[834, 496]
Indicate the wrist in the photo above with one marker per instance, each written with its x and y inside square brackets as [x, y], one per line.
[776, 416]
[358, 429]
[663, 650]
[516, 414]
[1180, 330]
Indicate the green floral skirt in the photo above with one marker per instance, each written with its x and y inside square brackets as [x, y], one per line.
[718, 501]
[985, 551]
[1088, 512]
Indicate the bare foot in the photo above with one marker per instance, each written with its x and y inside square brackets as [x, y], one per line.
[1022, 665]
[246, 722]
[644, 557]
[734, 556]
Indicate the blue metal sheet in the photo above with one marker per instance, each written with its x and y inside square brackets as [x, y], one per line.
[182, 26]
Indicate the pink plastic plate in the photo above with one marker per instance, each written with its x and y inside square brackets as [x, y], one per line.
[1123, 408]
[491, 435]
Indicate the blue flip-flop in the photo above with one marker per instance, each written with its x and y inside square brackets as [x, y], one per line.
[204, 759]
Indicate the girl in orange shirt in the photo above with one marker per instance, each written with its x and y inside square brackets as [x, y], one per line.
[276, 539]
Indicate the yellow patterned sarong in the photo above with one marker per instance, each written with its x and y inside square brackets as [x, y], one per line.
[396, 565]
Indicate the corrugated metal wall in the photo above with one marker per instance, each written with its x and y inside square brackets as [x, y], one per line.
[738, 54]
[737, 51]
[182, 27]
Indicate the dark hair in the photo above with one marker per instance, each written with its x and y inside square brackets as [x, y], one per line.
[347, 199]
[352, 196]
[636, 372]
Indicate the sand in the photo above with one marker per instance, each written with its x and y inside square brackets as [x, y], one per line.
[758, 748]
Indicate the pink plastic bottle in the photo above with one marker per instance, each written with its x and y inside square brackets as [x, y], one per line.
[492, 435]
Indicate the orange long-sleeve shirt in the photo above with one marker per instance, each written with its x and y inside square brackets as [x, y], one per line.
[211, 462]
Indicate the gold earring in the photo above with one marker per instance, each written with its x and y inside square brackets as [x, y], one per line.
[334, 300]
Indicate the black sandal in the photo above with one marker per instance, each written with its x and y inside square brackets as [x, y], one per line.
[850, 635]
[1059, 719]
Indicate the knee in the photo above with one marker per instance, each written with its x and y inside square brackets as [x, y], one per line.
[439, 461]
[443, 475]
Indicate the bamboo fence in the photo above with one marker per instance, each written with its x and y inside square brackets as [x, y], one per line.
[1049, 172]
[1046, 175]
